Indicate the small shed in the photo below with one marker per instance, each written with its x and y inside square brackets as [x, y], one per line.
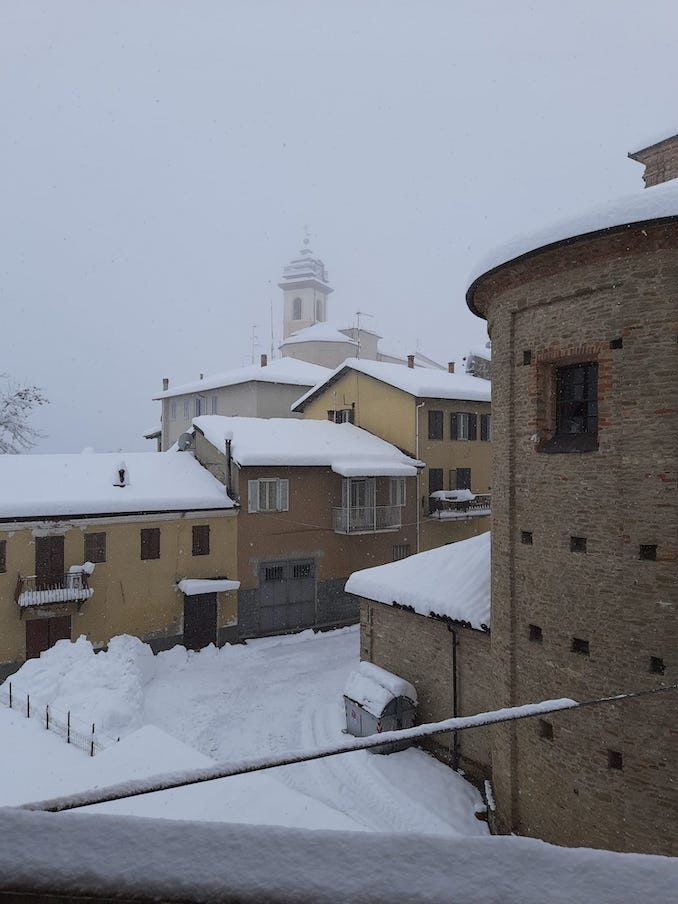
[376, 700]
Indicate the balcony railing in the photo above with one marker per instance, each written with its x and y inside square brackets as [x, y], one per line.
[363, 520]
[459, 504]
[32, 590]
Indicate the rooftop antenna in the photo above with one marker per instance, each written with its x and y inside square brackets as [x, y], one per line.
[358, 315]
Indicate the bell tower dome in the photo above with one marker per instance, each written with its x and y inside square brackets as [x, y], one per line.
[305, 291]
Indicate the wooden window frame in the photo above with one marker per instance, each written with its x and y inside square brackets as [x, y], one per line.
[435, 425]
[200, 535]
[149, 540]
[97, 551]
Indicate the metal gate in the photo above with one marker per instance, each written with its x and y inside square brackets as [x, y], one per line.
[286, 595]
[43, 633]
[200, 620]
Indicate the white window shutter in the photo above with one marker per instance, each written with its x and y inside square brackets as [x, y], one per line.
[252, 495]
[283, 495]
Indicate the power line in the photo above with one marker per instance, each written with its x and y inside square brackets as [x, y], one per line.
[197, 776]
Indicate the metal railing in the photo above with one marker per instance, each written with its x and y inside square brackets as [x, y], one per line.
[83, 735]
[34, 590]
[479, 506]
[366, 519]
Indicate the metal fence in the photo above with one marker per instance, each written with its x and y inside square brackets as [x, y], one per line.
[81, 734]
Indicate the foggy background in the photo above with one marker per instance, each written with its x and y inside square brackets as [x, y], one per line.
[159, 160]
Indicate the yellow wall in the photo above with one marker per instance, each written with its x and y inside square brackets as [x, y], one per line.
[390, 414]
[131, 596]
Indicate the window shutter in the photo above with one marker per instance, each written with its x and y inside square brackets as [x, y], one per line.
[473, 426]
[252, 495]
[454, 426]
[283, 495]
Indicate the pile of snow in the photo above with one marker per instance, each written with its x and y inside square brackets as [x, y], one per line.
[41, 485]
[421, 382]
[106, 689]
[452, 581]
[346, 449]
[653, 203]
[281, 370]
[373, 688]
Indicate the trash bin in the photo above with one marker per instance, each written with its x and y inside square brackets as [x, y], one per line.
[376, 700]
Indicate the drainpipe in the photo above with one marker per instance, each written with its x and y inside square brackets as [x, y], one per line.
[416, 453]
[228, 469]
[455, 698]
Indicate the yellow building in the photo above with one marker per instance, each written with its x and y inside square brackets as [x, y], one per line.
[440, 418]
[106, 544]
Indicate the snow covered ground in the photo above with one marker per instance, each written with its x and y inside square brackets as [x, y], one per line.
[179, 710]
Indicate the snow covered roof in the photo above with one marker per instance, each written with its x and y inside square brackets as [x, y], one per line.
[452, 581]
[374, 688]
[305, 266]
[34, 486]
[281, 370]
[652, 140]
[194, 587]
[417, 381]
[346, 449]
[319, 332]
[657, 202]
[481, 351]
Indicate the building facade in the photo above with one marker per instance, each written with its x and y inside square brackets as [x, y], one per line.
[584, 327]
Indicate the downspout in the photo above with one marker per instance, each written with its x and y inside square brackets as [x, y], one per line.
[416, 453]
[455, 699]
[228, 469]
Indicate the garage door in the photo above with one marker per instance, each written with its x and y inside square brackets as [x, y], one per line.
[200, 620]
[286, 595]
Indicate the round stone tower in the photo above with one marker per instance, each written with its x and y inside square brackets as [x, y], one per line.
[584, 328]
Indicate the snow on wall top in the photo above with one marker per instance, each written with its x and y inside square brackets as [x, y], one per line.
[196, 586]
[346, 449]
[373, 688]
[421, 382]
[452, 581]
[53, 485]
[649, 204]
[319, 332]
[281, 370]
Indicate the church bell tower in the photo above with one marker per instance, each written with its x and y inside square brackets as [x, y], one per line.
[305, 291]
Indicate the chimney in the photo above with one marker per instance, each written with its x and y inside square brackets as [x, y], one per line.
[659, 159]
[264, 360]
[450, 367]
[410, 360]
[165, 384]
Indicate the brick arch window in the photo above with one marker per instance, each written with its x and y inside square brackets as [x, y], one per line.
[575, 427]
[296, 309]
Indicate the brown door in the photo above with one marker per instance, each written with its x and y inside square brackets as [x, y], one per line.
[43, 633]
[49, 562]
[200, 620]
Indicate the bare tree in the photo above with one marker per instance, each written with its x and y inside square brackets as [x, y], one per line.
[16, 406]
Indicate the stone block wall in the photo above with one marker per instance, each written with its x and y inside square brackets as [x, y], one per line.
[612, 299]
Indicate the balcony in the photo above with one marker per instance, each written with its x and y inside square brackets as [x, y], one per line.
[32, 590]
[451, 504]
[366, 519]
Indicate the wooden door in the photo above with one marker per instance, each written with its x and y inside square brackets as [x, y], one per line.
[43, 633]
[200, 620]
[49, 562]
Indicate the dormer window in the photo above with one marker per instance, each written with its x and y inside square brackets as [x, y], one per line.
[296, 309]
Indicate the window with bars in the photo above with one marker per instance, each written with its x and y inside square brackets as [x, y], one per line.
[401, 551]
[576, 409]
[435, 425]
[463, 426]
[268, 494]
[201, 540]
[95, 548]
[150, 543]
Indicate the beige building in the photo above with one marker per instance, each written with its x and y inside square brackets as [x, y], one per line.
[427, 619]
[583, 320]
[440, 418]
[107, 544]
[317, 500]
[264, 390]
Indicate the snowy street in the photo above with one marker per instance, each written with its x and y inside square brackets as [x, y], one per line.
[179, 710]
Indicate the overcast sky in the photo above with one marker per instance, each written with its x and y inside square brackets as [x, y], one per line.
[159, 160]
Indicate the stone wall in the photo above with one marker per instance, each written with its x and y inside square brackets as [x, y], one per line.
[612, 299]
[422, 651]
[660, 161]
